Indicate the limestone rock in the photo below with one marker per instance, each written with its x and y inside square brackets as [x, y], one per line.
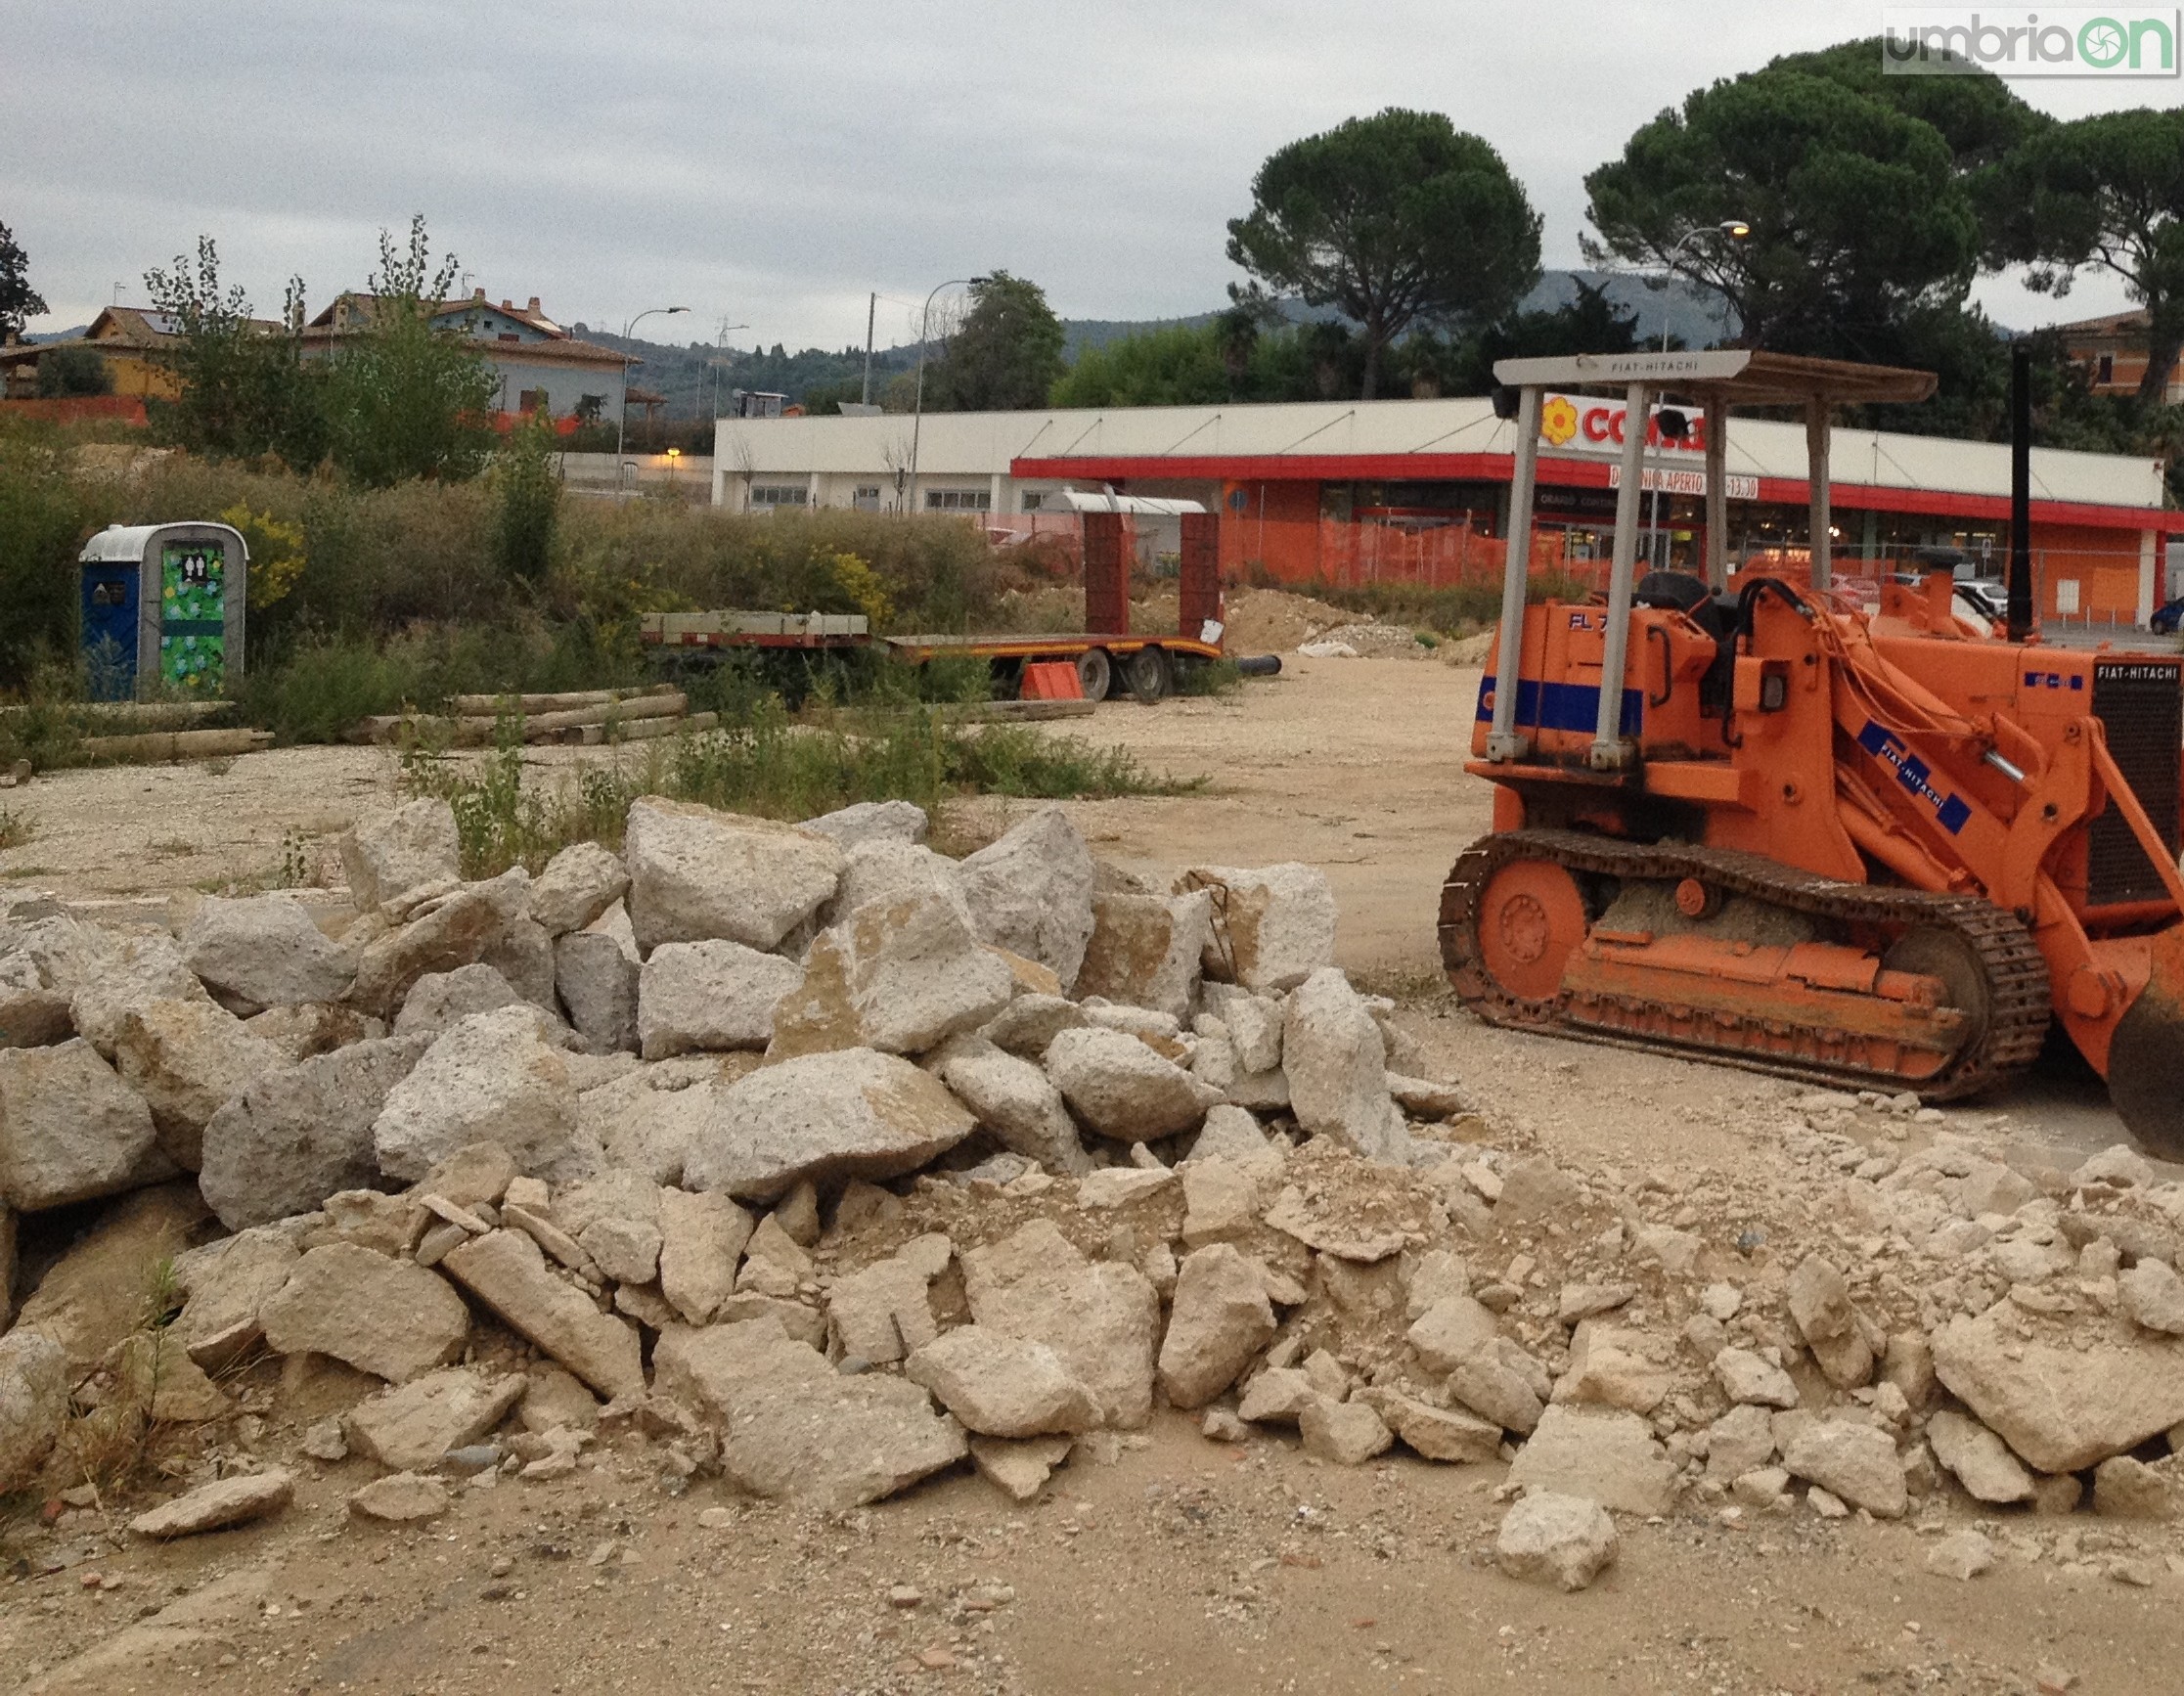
[1607, 1456]
[795, 1430]
[825, 1117]
[1610, 1367]
[1031, 892]
[2153, 1295]
[1253, 1021]
[1276, 1397]
[899, 975]
[1747, 1377]
[709, 996]
[701, 1238]
[2129, 1489]
[401, 1499]
[1820, 1304]
[1234, 1135]
[215, 1506]
[1740, 1442]
[493, 1078]
[388, 855]
[1002, 1386]
[1981, 1461]
[596, 980]
[1220, 1200]
[46, 963]
[303, 1033]
[2061, 1408]
[137, 971]
[413, 1426]
[1018, 1470]
[389, 1318]
[1119, 1087]
[1855, 1461]
[34, 1380]
[1551, 1538]
[475, 923]
[439, 1001]
[94, 1295]
[579, 885]
[1219, 1322]
[187, 1059]
[265, 950]
[70, 1130]
[1273, 926]
[1451, 1330]
[226, 1284]
[505, 1270]
[881, 1313]
[872, 822]
[1336, 1063]
[890, 871]
[1012, 1099]
[555, 1397]
[1146, 950]
[1345, 1433]
[1029, 1023]
[297, 1134]
[1962, 1555]
[697, 874]
[1444, 1434]
[1101, 1319]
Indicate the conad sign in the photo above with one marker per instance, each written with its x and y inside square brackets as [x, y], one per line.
[1587, 423]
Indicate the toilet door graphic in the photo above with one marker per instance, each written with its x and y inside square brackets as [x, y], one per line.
[192, 617]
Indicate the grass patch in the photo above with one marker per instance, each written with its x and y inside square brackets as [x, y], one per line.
[16, 828]
[768, 765]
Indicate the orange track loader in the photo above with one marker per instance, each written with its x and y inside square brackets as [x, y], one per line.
[1867, 848]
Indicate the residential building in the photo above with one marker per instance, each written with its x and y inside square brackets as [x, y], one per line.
[138, 345]
[2113, 351]
[537, 363]
[1417, 490]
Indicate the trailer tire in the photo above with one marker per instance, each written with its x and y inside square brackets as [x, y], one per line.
[1149, 675]
[1095, 673]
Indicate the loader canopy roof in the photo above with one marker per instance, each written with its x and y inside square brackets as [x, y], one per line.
[1735, 376]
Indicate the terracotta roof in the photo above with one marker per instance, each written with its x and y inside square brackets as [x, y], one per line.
[2113, 324]
[121, 328]
[557, 346]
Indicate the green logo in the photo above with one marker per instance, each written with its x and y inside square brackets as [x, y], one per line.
[2102, 42]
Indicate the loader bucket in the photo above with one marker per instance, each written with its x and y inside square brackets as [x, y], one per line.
[2146, 1056]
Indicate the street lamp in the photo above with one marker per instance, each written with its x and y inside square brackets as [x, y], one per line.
[622, 424]
[917, 410]
[1735, 229]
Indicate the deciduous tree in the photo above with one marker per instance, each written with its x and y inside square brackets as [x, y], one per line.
[1006, 354]
[244, 390]
[19, 301]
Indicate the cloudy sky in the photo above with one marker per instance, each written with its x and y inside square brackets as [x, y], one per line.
[769, 165]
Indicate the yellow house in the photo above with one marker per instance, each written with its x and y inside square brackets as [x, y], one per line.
[137, 345]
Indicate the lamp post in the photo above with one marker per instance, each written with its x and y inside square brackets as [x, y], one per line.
[917, 410]
[1736, 229]
[622, 422]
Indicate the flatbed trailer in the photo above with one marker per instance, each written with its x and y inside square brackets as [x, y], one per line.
[1108, 660]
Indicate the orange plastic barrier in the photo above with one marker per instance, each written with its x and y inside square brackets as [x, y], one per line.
[1051, 679]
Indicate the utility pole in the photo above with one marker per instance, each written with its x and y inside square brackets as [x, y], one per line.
[872, 312]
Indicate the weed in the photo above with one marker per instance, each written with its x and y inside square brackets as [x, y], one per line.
[1208, 677]
[16, 828]
[298, 867]
[109, 1439]
[176, 846]
[1019, 760]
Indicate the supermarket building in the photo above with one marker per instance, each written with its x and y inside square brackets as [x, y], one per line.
[1342, 492]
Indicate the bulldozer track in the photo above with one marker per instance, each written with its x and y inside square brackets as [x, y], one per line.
[2015, 972]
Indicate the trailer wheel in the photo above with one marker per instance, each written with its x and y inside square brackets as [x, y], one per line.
[1148, 675]
[1095, 673]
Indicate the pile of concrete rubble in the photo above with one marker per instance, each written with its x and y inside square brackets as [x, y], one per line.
[815, 1158]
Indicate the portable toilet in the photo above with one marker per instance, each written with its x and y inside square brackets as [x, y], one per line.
[163, 609]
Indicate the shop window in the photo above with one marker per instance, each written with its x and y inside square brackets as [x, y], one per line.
[958, 500]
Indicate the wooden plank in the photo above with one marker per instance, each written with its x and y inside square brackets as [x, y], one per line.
[490, 706]
[640, 729]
